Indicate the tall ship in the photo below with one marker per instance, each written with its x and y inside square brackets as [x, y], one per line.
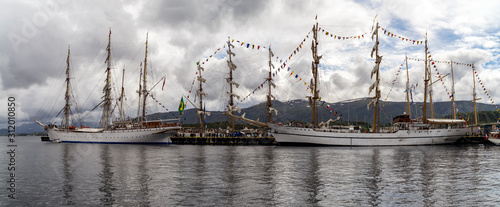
[404, 130]
[229, 135]
[138, 131]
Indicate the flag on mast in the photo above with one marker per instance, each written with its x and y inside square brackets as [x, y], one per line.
[181, 106]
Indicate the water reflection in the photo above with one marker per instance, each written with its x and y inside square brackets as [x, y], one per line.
[230, 181]
[269, 173]
[199, 179]
[407, 191]
[272, 175]
[313, 182]
[67, 187]
[374, 178]
[428, 176]
[106, 176]
[144, 178]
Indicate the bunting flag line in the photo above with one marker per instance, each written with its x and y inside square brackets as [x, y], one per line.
[404, 39]
[485, 91]
[203, 61]
[283, 67]
[461, 117]
[395, 79]
[433, 65]
[416, 59]
[192, 84]
[248, 45]
[450, 95]
[439, 61]
[150, 95]
[283, 63]
[448, 62]
[339, 37]
[261, 86]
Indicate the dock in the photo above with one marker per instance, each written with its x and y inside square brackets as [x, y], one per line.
[473, 138]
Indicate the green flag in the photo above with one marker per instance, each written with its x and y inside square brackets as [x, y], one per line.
[181, 106]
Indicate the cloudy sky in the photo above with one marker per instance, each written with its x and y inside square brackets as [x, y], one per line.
[35, 36]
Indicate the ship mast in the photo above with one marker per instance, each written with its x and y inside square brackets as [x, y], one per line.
[407, 88]
[453, 92]
[201, 112]
[140, 94]
[430, 91]
[375, 71]
[121, 96]
[230, 81]
[426, 81]
[144, 90]
[270, 83]
[67, 96]
[474, 93]
[106, 113]
[314, 68]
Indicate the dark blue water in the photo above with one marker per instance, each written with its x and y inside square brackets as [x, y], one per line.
[52, 174]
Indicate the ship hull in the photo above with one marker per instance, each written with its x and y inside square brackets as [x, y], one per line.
[135, 136]
[309, 136]
[495, 141]
[494, 138]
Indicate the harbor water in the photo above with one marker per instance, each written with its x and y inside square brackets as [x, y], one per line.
[59, 174]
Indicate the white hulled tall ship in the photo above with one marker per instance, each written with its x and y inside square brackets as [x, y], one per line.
[404, 131]
[139, 131]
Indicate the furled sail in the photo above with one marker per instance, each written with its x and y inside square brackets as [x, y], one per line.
[201, 68]
[374, 100]
[373, 50]
[271, 96]
[374, 85]
[271, 64]
[201, 93]
[375, 69]
[234, 95]
[233, 83]
[201, 79]
[231, 65]
[375, 32]
[377, 66]
[273, 109]
[272, 84]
